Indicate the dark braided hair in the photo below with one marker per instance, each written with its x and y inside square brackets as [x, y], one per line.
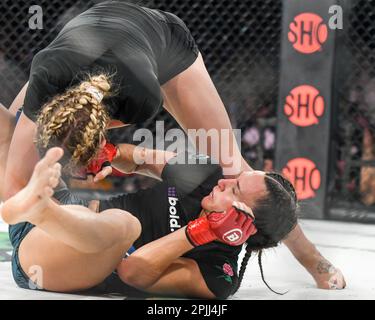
[275, 216]
[245, 260]
[262, 274]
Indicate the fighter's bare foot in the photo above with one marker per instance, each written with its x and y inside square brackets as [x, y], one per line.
[29, 203]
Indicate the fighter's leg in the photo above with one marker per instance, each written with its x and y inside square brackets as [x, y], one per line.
[74, 247]
[192, 99]
[75, 226]
[66, 269]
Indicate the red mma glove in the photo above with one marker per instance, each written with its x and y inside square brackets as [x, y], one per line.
[233, 227]
[102, 160]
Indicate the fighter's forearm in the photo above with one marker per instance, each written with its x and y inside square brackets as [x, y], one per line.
[300, 246]
[148, 263]
[307, 253]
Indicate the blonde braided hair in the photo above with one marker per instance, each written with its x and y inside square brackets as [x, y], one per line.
[75, 120]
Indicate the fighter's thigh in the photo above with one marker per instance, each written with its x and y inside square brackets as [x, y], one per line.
[63, 268]
[130, 225]
[193, 88]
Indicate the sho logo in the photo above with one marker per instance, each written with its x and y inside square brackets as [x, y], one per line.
[304, 106]
[308, 33]
[173, 216]
[233, 235]
[305, 177]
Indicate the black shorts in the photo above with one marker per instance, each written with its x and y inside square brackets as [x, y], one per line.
[16, 234]
[181, 52]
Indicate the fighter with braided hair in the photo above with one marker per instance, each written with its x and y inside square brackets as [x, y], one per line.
[187, 239]
[170, 260]
[166, 261]
[77, 117]
[153, 61]
[259, 242]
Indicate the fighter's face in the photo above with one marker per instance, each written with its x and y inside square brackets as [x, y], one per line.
[247, 188]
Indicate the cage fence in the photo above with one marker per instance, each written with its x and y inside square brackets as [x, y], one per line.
[353, 139]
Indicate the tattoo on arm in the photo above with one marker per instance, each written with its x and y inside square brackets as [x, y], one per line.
[325, 266]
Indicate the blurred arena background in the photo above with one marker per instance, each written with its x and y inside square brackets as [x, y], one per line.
[241, 42]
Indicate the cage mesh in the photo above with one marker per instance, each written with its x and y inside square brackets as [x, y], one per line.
[353, 138]
[239, 40]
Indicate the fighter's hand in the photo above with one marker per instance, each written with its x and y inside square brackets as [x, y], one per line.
[232, 227]
[100, 166]
[335, 281]
[104, 173]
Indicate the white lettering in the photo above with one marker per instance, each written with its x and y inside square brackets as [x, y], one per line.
[36, 20]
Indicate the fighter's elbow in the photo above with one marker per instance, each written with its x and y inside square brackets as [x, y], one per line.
[131, 272]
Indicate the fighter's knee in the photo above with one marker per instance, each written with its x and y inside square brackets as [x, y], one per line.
[130, 273]
[3, 213]
[129, 226]
[134, 227]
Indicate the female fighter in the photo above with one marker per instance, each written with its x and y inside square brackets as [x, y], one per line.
[190, 239]
[153, 61]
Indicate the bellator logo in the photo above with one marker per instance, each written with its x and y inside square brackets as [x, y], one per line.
[233, 235]
[308, 33]
[305, 177]
[304, 106]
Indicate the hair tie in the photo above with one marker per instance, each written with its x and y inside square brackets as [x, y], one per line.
[95, 92]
